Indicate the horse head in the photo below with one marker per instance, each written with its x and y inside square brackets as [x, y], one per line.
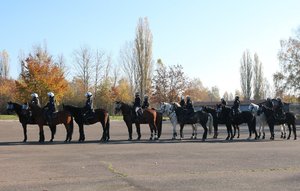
[10, 107]
[118, 106]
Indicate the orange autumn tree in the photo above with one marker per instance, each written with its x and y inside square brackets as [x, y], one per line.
[41, 75]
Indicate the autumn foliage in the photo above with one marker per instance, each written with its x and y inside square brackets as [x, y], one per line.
[41, 75]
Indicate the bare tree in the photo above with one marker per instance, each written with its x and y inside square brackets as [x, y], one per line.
[246, 74]
[257, 78]
[129, 66]
[143, 55]
[84, 65]
[177, 82]
[160, 83]
[99, 64]
[289, 59]
[4, 64]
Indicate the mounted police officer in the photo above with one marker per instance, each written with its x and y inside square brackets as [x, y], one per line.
[189, 106]
[88, 105]
[182, 102]
[35, 99]
[223, 102]
[145, 103]
[50, 107]
[279, 109]
[269, 103]
[236, 106]
[137, 104]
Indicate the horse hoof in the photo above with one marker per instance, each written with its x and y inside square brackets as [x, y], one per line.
[263, 137]
[288, 138]
[150, 138]
[51, 140]
[173, 138]
[295, 138]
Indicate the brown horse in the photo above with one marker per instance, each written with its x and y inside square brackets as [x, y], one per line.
[60, 117]
[150, 116]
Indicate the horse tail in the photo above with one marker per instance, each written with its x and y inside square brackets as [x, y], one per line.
[209, 123]
[158, 123]
[107, 127]
[71, 126]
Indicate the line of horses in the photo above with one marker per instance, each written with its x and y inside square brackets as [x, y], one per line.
[207, 117]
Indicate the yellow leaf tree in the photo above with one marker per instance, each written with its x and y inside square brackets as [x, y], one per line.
[41, 75]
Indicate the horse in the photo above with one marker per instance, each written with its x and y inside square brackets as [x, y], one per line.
[100, 115]
[240, 118]
[59, 117]
[290, 120]
[262, 121]
[149, 116]
[219, 120]
[198, 117]
[24, 118]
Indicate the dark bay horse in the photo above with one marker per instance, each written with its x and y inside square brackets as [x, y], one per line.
[60, 117]
[198, 117]
[24, 118]
[289, 119]
[150, 116]
[219, 120]
[243, 117]
[100, 115]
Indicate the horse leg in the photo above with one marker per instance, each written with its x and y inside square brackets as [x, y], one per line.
[238, 129]
[294, 131]
[155, 131]
[215, 129]
[24, 132]
[103, 138]
[129, 127]
[81, 133]
[53, 131]
[271, 126]
[181, 131]
[138, 131]
[194, 131]
[174, 130]
[205, 132]
[42, 136]
[290, 129]
[151, 130]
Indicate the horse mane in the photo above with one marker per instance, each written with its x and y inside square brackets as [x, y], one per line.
[176, 104]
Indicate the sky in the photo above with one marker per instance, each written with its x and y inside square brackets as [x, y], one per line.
[207, 37]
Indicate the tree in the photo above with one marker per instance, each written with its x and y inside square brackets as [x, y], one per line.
[41, 75]
[4, 64]
[246, 74]
[226, 96]
[214, 94]
[288, 78]
[177, 82]
[7, 93]
[84, 65]
[197, 91]
[129, 66]
[143, 56]
[257, 78]
[160, 83]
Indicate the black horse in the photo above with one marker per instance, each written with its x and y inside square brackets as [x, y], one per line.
[100, 115]
[219, 120]
[26, 119]
[289, 119]
[198, 117]
[150, 116]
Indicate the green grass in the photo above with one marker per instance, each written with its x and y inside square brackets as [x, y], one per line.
[116, 117]
[8, 117]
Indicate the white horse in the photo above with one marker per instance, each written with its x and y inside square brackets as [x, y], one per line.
[169, 110]
[262, 121]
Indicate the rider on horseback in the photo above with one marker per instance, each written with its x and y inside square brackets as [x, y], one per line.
[269, 103]
[50, 107]
[236, 106]
[182, 102]
[88, 105]
[223, 102]
[279, 109]
[189, 106]
[35, 99]
[145, 103]
[137, 104]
